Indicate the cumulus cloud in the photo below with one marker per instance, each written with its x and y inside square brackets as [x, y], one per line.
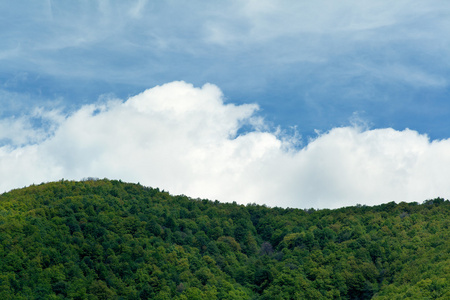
[187, 140]
[16, 131]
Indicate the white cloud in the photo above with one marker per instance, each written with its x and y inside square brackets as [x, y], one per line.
[185, 140]
[17, 131]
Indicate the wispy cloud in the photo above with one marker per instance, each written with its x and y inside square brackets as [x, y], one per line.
[301, 31]
[404, 74]
[185, 140]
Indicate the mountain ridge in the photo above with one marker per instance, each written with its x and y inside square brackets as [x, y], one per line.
[106, 239]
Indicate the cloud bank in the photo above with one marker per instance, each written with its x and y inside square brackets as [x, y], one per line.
[187, 140]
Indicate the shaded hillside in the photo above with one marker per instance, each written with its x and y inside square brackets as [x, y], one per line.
[112, 240]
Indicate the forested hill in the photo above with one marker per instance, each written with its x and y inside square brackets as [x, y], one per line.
[112, 240]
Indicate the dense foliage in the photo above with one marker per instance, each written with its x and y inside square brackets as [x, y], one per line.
[102, 239]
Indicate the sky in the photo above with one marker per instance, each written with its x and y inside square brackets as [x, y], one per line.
[305, 104]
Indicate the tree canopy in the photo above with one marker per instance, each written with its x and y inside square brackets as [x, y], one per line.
[106, 239]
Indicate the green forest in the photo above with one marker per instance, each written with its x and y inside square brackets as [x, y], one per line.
[106, 239]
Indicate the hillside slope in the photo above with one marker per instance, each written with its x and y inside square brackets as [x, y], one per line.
[112, 240]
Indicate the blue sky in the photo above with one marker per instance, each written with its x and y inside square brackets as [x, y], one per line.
[337, 72]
